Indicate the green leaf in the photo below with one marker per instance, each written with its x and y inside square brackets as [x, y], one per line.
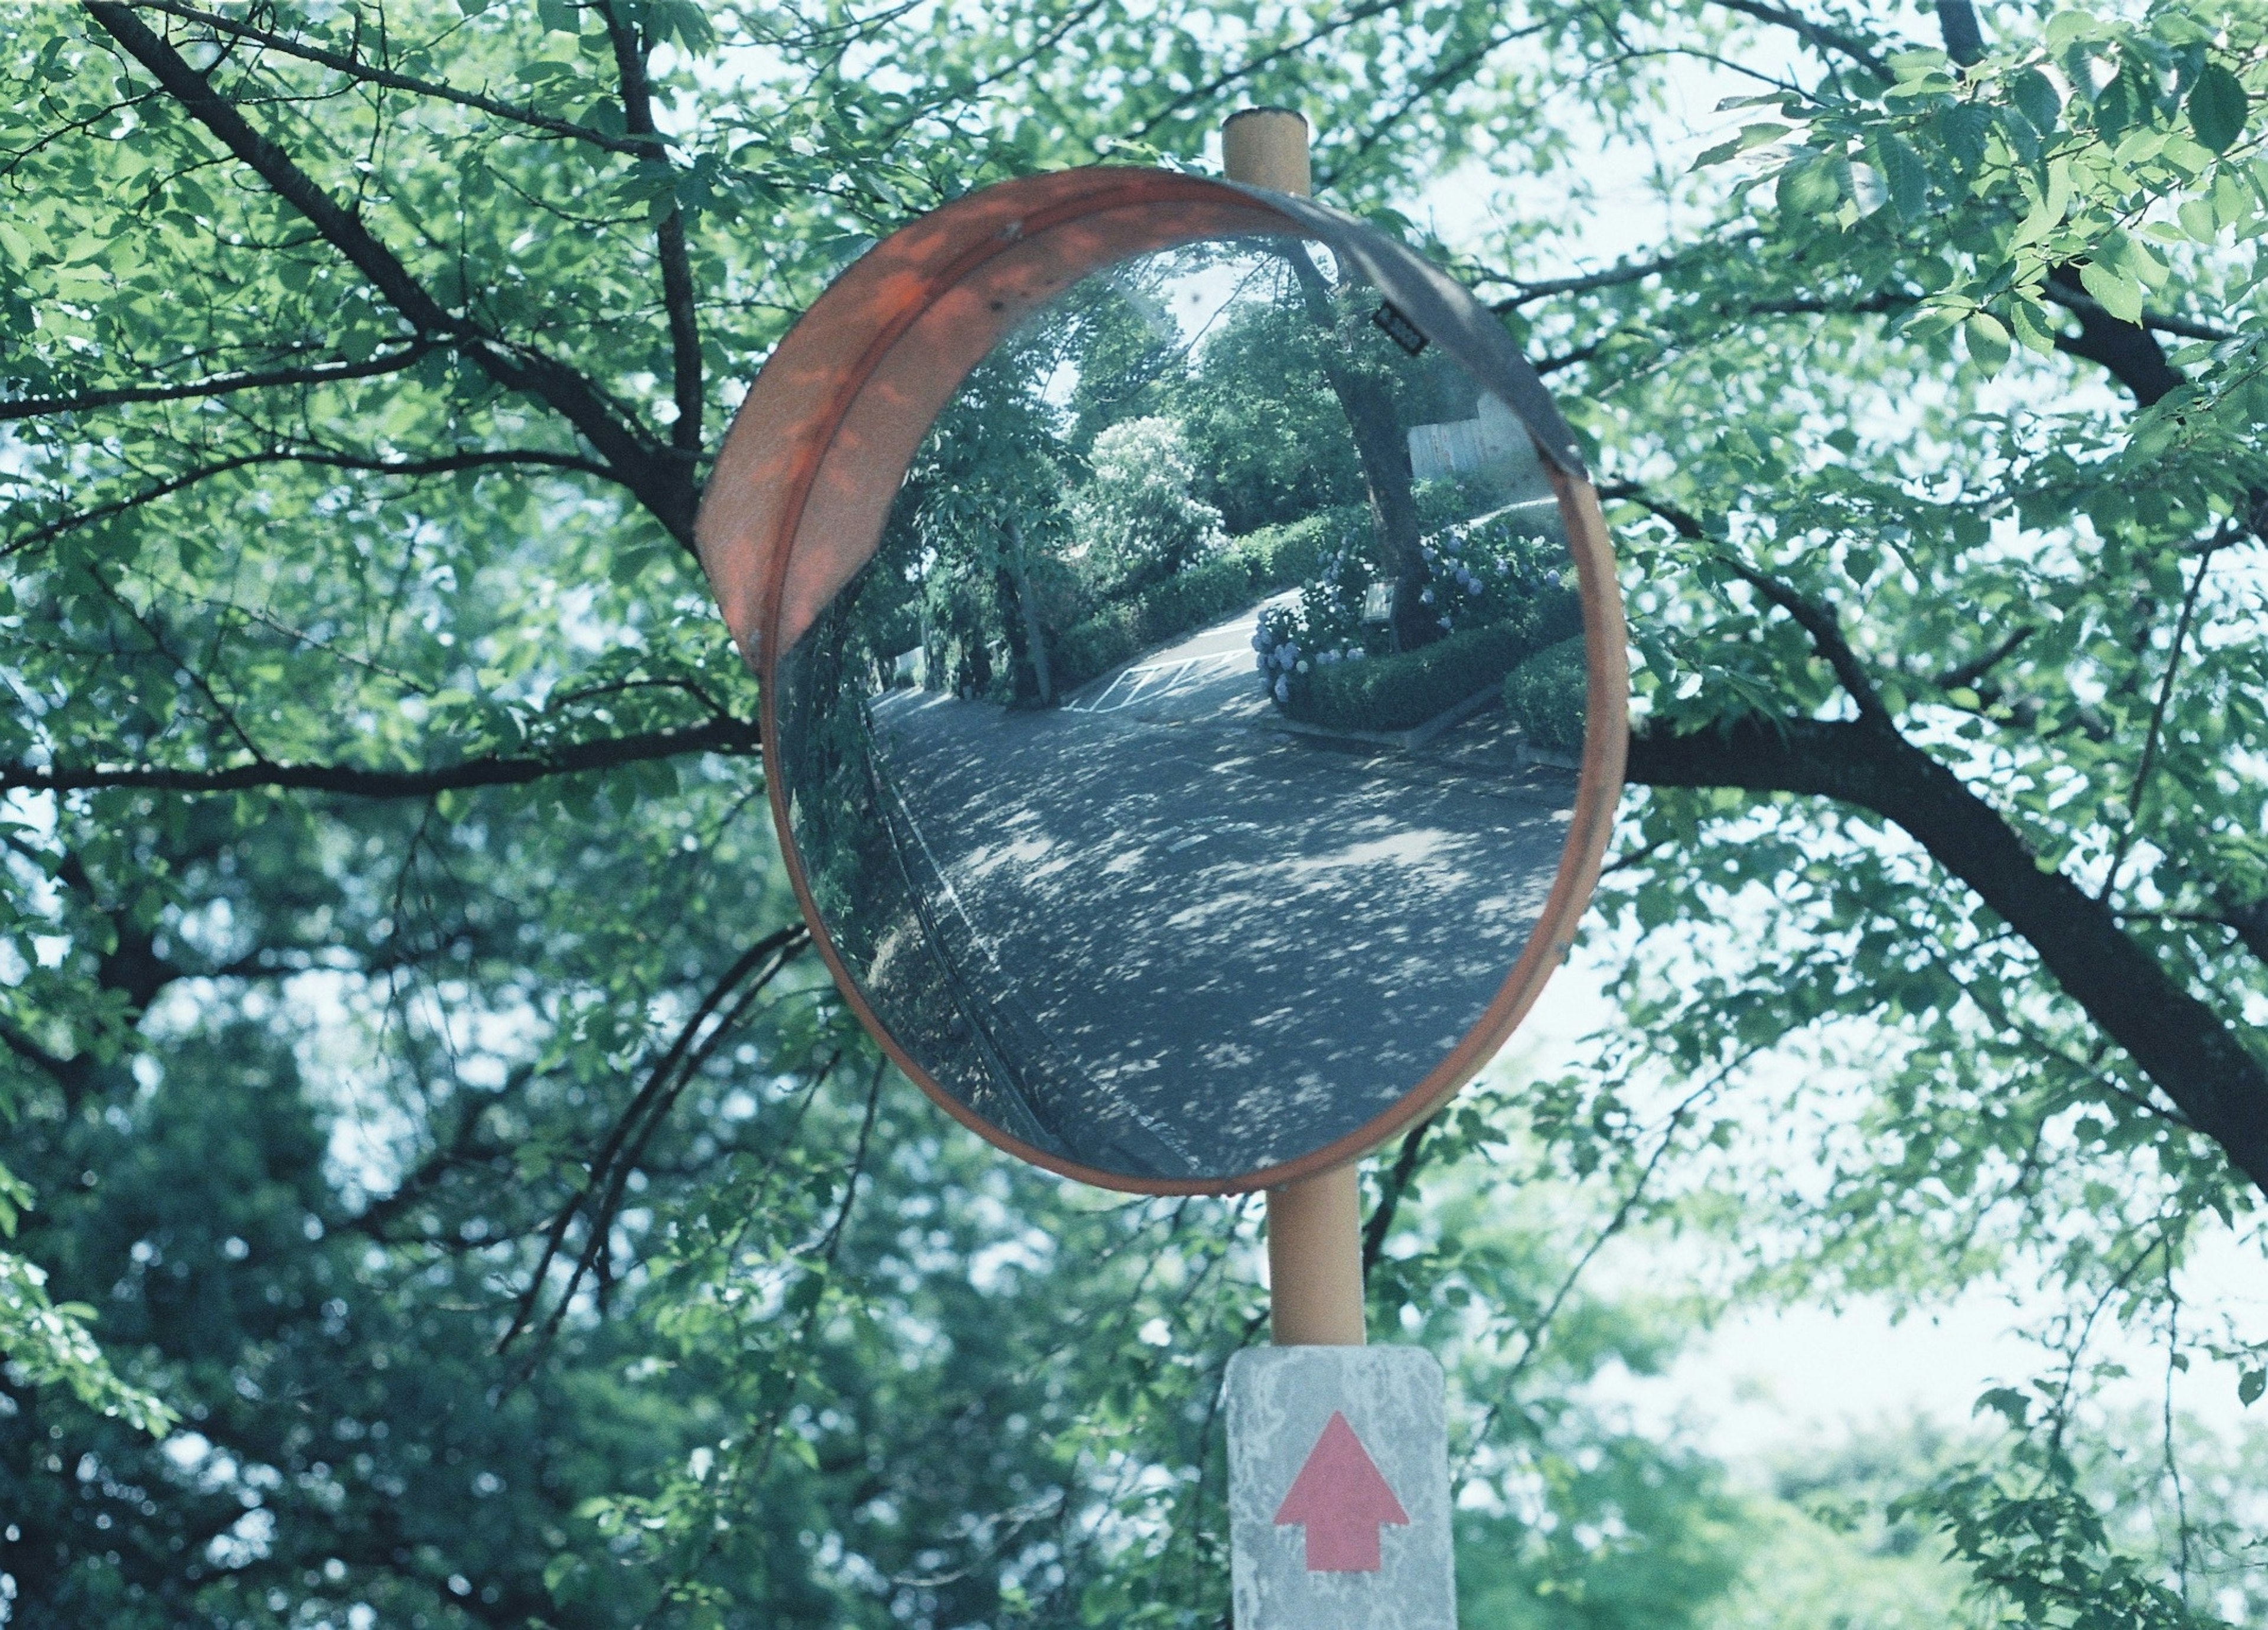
[1988, 342]
[2250, 1386]
[1905, 175]
[2217, 107]
[2037, 99]
[2117, 293]
[1962, 127]
[2006, 1401]
[1808, 188]
[2029, 324]
[1751, 136]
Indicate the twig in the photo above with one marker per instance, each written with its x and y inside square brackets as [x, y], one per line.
[735, 736]
[2151, 739]
[357, 68]
[215, 385]
[669, 238]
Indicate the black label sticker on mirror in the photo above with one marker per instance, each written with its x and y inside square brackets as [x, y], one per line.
[1398, 327]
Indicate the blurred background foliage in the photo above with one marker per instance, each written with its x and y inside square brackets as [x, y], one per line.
[443, 1190]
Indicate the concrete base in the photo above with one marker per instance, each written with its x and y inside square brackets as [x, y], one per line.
[1326, 1447]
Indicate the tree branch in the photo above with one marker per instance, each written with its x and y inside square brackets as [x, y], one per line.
[1819, 622]
[1392, 1187]
[1211, 88]
[1956, 23]
[215, 385]
[733, 736]
[2179, 1042]
[1970, 672]
[1827, 41]
[2135, 359]
[610, 1169]
[662, 482]
[71, 1073]
[669, 241]
[1828, 638]
[1613, 276]
[442, 464]
[1441, 75]
[2249, 923]
[371, 74]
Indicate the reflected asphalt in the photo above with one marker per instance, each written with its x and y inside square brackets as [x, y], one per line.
[1246, 942]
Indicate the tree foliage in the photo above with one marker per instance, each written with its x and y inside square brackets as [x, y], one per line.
[417, 1072]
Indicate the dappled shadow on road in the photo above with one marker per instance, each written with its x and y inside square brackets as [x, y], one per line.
[1165, 937]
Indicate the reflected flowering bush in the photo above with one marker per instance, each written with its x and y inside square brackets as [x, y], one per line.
[1478, 572]
[1484, 570]
[1323, 625]
[1287, 646]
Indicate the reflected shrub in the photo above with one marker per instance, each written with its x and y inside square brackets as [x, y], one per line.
[1135, 521]
[1258, 564]
[1492, 569]
[1499, 570]
[1398, 692]
[1545, 695]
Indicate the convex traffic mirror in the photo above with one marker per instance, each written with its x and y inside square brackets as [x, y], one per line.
[1193, 676]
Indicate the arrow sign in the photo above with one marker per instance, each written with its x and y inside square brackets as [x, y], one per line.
[1342, 1500]
[1339, 1442]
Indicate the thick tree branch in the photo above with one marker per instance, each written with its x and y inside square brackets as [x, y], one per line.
[1956, 23]
[669, 241]
[72, 1075]
[370, 73]
[733, 736]
[1827, 41]
[2250, 922]
[2179, 1042]
[215, 385]
[2135, 359]
[662, 482]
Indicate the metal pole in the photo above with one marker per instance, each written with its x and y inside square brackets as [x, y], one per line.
[1314, 1261]
[1314, 1227]
[1267, 147]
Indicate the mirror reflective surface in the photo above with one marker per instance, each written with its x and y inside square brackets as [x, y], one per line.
[1182, 776]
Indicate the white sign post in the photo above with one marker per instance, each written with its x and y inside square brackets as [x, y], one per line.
[1338, 1490]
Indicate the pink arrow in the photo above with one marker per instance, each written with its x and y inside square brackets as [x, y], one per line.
[1342, 1502]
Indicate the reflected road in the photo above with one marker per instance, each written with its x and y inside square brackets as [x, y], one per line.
[1233, 944]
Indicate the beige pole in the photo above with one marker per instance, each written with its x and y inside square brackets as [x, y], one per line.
[1266, 147]
[1314, 1227]
[1314, 1261]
